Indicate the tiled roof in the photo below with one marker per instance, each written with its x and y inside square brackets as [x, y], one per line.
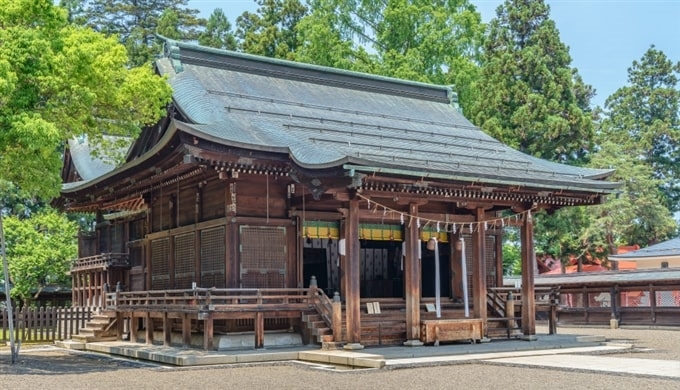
[670, 248]
[323, 117]
[628, 277]
[91, 164]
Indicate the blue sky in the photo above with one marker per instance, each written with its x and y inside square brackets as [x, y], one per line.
[604, 36]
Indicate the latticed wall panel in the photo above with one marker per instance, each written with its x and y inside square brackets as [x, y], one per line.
[668, 298]
[263, 256]
[185, 253]
[489, 260]
[160, 275]
[213, 258]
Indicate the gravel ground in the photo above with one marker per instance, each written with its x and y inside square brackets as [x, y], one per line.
[60, 369]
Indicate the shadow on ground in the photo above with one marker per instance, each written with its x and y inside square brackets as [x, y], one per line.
[47, 361]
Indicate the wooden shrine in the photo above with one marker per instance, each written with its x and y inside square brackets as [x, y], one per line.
[268, 174]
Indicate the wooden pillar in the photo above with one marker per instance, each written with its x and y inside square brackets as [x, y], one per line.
[134, 326]
[352, 271]
[149, 328]
[455, 266]
[479, 270]
[186, 330]
[208, 332]
[412, 279]
[74, 291]
[259, 330]
[167, 331]
[528, 292]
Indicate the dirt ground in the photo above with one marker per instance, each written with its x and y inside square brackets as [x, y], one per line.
[52, 368]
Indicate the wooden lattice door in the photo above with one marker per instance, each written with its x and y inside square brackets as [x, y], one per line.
[263, 256]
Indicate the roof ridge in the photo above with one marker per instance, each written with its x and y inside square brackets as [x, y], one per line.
[182, 52]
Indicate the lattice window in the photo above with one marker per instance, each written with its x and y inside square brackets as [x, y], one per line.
[137, 256]
[160, 275]
[185, 253]
[634, 298]
[490, 257]
[213, 258]
[117, 238]
[668, 298]
[263, 256]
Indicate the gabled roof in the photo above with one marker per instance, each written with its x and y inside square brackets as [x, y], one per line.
[320, 118]
[608, 278]
[670, 248]
[326, 117]
[91, 162]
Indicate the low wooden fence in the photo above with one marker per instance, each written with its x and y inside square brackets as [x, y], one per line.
[634, 305]
[44, 324]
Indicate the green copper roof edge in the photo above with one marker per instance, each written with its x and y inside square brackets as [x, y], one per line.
[302, 65]
[435, 175]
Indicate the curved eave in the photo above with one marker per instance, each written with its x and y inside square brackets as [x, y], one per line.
[83, 185]
[598, 188]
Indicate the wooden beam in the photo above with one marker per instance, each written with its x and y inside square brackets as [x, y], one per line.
[208, 334]
[412, 279]
[528, 290]
[259, 330]
[149, 328]
[186, 330]
[479, 270]
[352, 271]
[167, 330]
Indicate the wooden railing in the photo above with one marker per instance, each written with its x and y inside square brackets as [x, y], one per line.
[650, 304]
[505, 302]
[329, 310]
[211, 299]
[102, 261]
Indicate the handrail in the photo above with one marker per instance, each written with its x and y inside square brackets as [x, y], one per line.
[103, 260]
[208, 299]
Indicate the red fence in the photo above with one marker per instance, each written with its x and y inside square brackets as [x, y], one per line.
[44, 324]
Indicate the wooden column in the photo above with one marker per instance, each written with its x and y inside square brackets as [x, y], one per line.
[259, 330]
[412, 279]
[134, 326]
[528, 293]
[208, 332]
[479, 270]
[149, 328]
[186, 330]
[455, 266]
[352, 269]
[167, 330]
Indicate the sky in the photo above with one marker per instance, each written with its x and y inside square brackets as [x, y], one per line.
[604, 36]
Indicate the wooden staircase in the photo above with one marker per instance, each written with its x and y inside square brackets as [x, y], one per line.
[102, 327]
[316, 329]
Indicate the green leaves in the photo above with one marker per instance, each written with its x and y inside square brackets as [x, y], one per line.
[644, 119]
[528, 96]
[39, 250]
[59, 81]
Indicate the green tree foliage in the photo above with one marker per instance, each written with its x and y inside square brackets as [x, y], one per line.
[58, 81]
[39, 250]
[431, 41]
[218, 32]
[135, 23]
[527, 95]
[644, 120]
[271, 31]
[638, 214]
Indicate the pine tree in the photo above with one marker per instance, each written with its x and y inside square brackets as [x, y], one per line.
[135, 23]
[644, 119]
[527, 95]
